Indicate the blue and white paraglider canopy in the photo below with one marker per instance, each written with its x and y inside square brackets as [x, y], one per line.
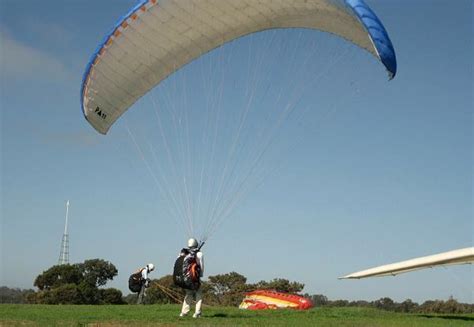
[156, 38]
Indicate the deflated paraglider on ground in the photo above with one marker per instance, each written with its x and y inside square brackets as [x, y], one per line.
[263, 299]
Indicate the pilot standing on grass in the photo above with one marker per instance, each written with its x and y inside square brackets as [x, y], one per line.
[195, 292]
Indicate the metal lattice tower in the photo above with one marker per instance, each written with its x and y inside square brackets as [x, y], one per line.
[64, 254]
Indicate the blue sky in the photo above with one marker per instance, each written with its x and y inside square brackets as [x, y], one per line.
[386, 176]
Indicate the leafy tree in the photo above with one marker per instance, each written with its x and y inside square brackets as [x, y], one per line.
[90, 293]
[111, 296]
[407, 306]
[14, 295]
[319, 300]
[32, 298]
[385, 303]
[65, 294]
[57, 276]
[163, 291]
[97, 272]
[224, 289]
[130, 298]
[227, 289]
[208, 295]
[360, 304]
[280, 285]
[77, 283]
[339, 303]
[221, 284]
[41, 297]
[451, 306]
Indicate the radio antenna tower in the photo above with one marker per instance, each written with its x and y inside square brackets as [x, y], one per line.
[64, 254]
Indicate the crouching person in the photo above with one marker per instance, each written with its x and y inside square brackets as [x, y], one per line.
[139, 281]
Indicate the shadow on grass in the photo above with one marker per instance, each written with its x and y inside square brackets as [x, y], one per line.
[448, 317]
[219, 315]
[227, 315]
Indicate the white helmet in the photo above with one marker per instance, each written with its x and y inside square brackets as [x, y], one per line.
[151, 266]
[192, 243]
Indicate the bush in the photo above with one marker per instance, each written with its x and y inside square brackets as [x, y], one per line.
[14, 295]
[65, 294]
[111, 296]
[155, 293]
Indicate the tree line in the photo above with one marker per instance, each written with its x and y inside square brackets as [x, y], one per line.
[451, 306]
[83, 283]
[219, 290]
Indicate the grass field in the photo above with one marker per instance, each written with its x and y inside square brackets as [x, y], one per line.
[167, 315]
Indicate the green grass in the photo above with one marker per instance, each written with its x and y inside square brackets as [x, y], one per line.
[167, 315]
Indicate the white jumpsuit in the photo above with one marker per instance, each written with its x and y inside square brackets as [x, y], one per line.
[194, 294]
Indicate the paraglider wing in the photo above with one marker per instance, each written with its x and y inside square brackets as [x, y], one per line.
[456, 257]
[156, 38]
[263, 299]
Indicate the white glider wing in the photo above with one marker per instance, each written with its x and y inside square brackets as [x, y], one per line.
[455, 257]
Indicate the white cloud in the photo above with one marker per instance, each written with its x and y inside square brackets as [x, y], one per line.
[20, 60]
